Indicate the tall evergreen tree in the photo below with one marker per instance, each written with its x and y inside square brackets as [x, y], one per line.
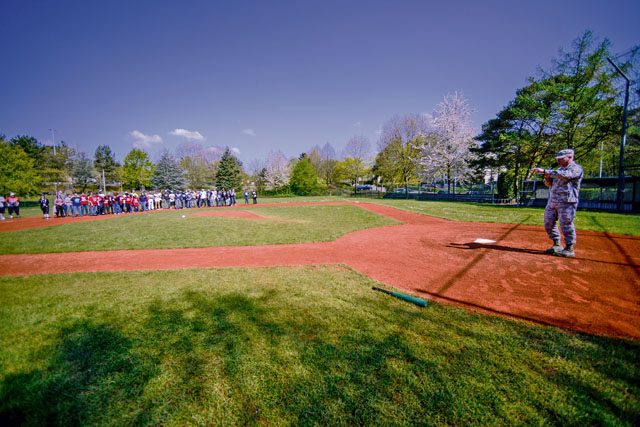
[168, 174]
[229, 174]
[104, 160]
[82, 171]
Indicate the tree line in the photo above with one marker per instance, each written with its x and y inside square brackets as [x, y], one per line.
[28, 167]
[573, 104]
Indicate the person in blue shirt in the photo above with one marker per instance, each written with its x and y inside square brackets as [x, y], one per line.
[75, 205]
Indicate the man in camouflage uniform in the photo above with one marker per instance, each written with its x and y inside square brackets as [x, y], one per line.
[563, 202]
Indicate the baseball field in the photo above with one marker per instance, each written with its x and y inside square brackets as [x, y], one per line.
[265, 315]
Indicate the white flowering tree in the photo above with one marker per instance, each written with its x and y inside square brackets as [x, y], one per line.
[277, 169]
[445, 150]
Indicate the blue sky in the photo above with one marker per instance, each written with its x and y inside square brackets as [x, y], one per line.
[268, 75]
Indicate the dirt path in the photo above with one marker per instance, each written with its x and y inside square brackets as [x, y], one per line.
[596, 292]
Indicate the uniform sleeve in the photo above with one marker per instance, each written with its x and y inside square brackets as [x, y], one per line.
[572, 172]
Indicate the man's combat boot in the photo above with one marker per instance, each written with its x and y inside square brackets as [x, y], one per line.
[555, 249]
[567, 252]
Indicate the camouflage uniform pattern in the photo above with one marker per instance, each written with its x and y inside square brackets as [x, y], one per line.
[563, 202]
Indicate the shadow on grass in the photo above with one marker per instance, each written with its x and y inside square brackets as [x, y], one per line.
[90, 366]
[285, 367]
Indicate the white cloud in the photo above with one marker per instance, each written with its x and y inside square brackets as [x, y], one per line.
[235, 150]
[189, 135]
[249, 132]
[140, 140]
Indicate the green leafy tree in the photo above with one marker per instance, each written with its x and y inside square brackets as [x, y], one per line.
[65, 158]
[30, 146]
[229, 174]
[49, 166]
[572, 105]
[104, 160]
[350, 170]
[520, 137]
[168, 174]
[17, 171]
[632, 150]
[53, 168]
[83, 172]
[585, 85]
[137, 169]
[399, 144]
[304, 179]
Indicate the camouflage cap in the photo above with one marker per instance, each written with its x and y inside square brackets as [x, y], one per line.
[564, 153]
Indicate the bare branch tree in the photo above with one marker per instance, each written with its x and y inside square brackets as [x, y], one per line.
[255, 166]
[328, 163]
[358, 147]
[209, 154]
[327, 152]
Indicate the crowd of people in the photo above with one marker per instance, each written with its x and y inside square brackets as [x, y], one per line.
[92, 204]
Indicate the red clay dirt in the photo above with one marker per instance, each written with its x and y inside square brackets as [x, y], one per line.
[597, 292]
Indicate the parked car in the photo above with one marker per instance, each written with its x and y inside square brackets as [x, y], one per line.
[404, 191]
[364, 187]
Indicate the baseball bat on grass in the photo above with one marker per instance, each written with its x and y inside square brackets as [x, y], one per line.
[413, 300]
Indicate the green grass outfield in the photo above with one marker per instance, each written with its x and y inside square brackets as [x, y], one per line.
[167, 229]
[607, 222]
[308, 345]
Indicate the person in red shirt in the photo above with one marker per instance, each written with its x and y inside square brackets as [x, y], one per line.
[106, 204]
[92, 203]
[84, 201]
[127, 202]
[13, 205]
[135, 203]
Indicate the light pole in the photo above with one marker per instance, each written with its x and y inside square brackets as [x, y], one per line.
[623, 139]
[53, 139]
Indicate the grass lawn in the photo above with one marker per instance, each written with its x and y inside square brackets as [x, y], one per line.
[310, 345]
[167, 229]
[476, 212]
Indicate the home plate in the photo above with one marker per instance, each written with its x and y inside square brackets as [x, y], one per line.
[483, 241]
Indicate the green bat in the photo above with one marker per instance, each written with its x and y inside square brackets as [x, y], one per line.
[408, 298]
